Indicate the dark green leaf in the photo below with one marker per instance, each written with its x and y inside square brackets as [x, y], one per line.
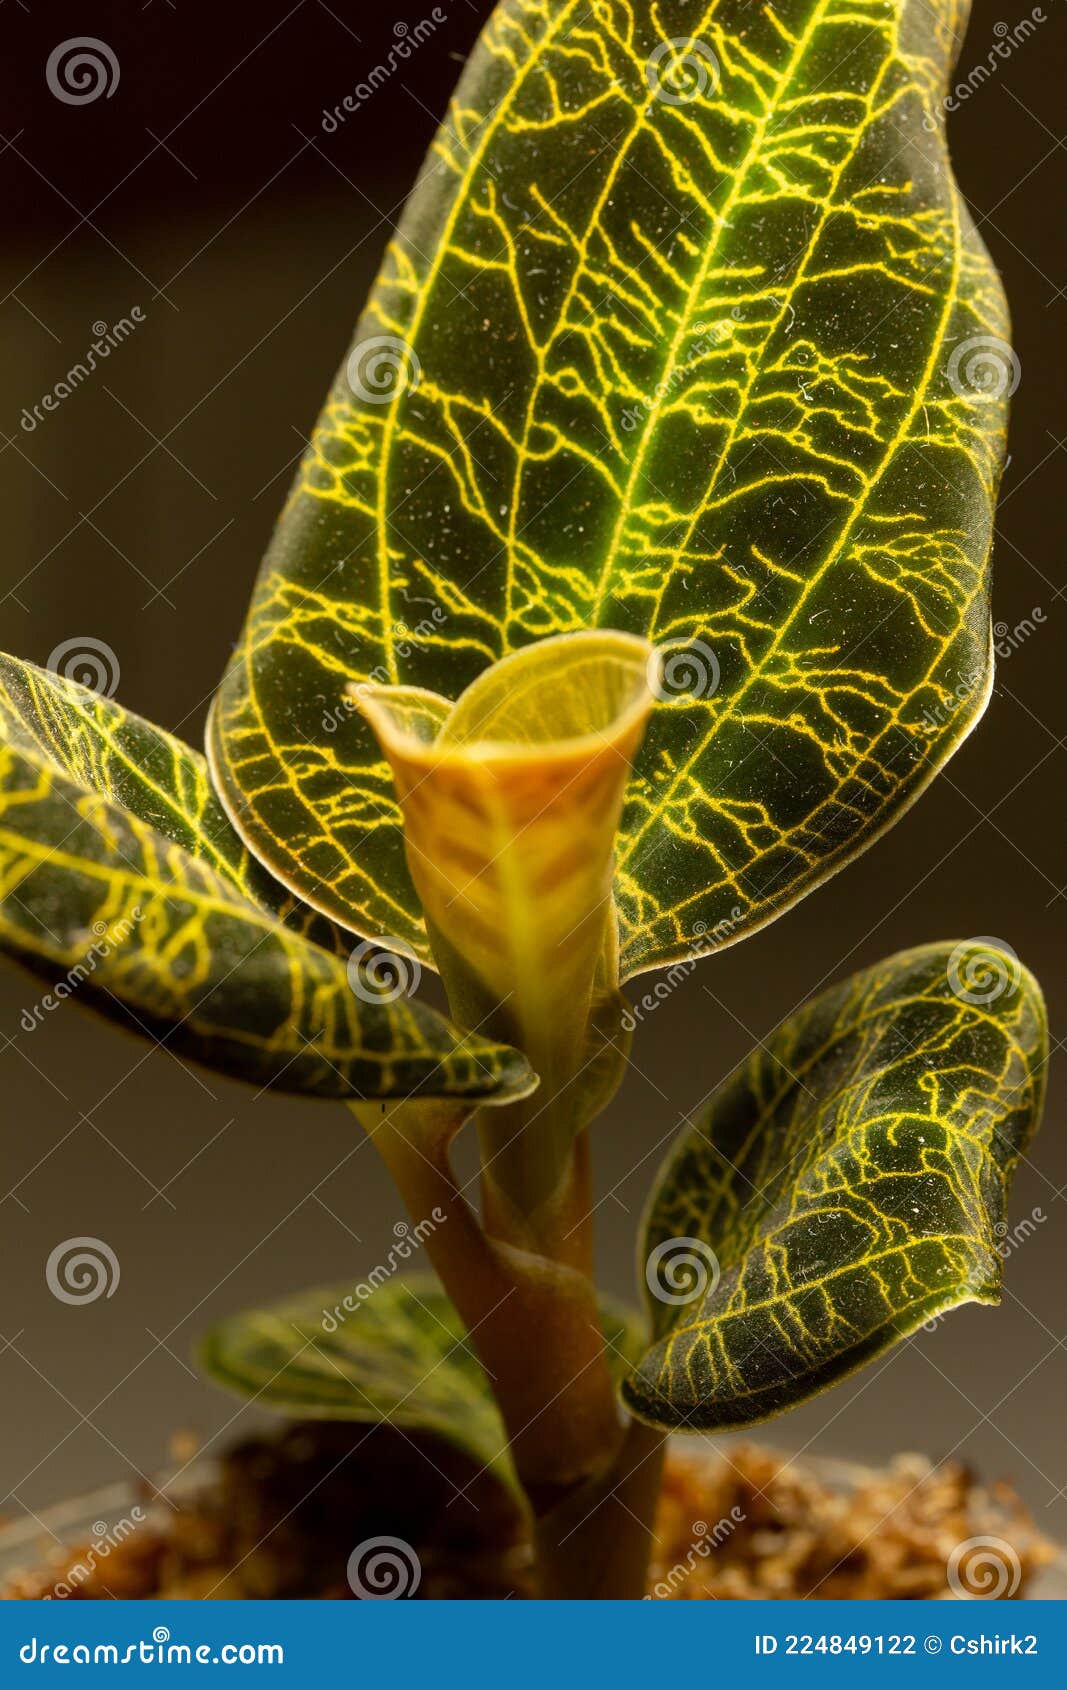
[107, 909]
[686, 332]
[148, 772]
[847, 1184]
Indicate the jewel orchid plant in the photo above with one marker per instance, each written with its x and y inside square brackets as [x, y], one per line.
[673, 408]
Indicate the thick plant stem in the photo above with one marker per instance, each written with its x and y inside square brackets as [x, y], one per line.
[592, 1480]
[597, 1542]
[534, 1321]
[576, 1428]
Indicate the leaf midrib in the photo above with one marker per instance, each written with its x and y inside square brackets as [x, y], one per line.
[837, 1035]
[864, 1264]
[425, 294]
[104, 733]
[237, 909]
[711, 252]
[858, 510]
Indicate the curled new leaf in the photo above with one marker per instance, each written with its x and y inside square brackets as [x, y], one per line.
[687, 332]
[511, 801]
[153, 921]
[383, 1350]
[847, 1184]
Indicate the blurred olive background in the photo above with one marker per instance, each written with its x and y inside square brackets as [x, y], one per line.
[205, 191]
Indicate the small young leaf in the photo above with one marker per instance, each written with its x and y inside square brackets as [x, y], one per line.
[106, 907]
[511, 801]
[393, 1350]
[848, 1183]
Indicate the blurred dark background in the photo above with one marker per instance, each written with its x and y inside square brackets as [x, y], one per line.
[204, 191]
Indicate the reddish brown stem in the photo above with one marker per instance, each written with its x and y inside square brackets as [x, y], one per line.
[523, 1288]
[533, 1320]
